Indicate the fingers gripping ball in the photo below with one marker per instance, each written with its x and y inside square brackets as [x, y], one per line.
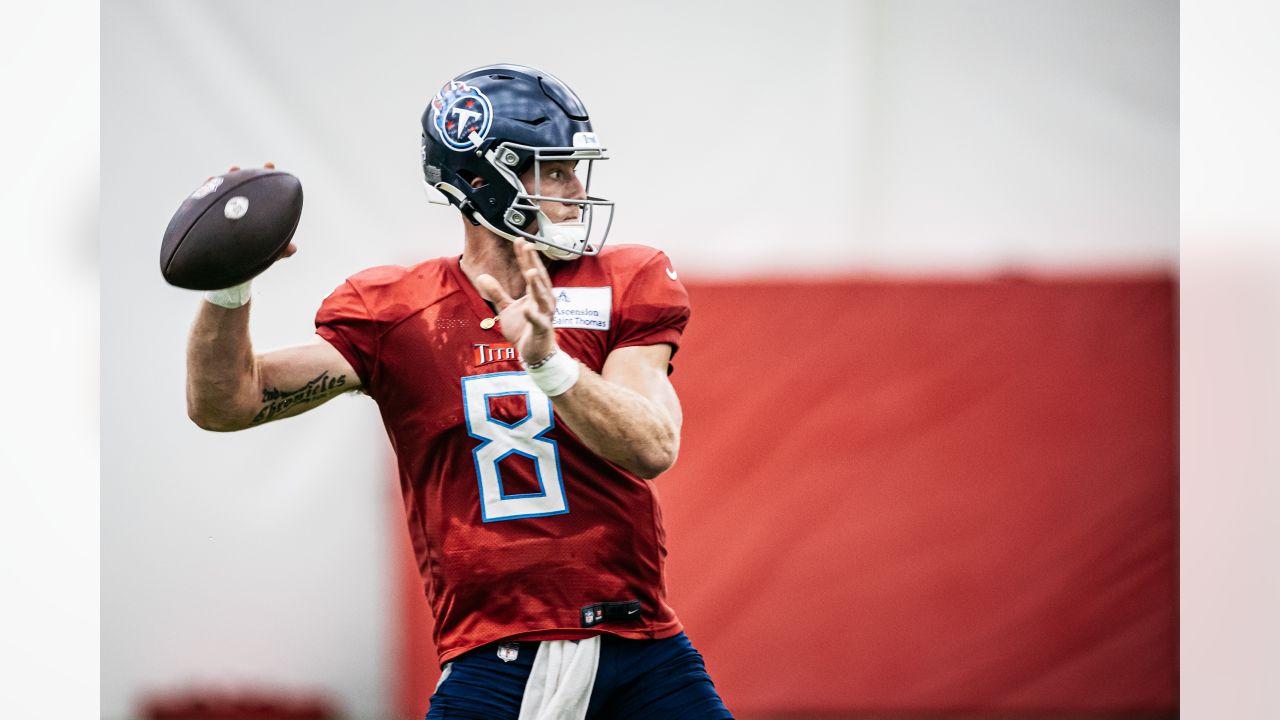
[231, 229]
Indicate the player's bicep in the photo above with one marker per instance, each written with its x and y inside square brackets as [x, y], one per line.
[643, 369]
[296, 379]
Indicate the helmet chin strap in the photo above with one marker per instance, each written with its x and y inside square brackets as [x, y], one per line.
[571, 233]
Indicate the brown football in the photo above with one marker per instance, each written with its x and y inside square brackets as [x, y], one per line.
[231, 228]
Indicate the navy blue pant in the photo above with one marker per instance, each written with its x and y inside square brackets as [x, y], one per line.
[650, 679]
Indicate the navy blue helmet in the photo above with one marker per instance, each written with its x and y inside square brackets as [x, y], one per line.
[496, 122]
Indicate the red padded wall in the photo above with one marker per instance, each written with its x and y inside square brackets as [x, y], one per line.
[924, 495]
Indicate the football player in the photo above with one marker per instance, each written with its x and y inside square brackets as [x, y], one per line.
[524, 386]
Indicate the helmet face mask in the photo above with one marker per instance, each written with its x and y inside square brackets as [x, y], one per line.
[487, 128]
[568, 238]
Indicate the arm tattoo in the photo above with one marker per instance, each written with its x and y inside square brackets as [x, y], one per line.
[276, 401]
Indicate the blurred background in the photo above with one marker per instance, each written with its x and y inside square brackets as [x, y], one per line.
[929, 459]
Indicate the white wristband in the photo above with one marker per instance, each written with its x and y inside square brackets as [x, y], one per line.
[555, 373]
[232, 297]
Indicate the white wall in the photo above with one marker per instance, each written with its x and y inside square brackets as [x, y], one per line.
[749, 138]
[1034, 133]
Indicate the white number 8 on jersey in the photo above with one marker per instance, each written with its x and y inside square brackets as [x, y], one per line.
[523, 437]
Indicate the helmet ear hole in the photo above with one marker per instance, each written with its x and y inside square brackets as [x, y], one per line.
[475, 181]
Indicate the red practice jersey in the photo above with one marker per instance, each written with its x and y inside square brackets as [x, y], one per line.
[519, 530]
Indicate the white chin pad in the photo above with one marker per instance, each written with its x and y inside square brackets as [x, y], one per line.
[568, 234]
[555, 253]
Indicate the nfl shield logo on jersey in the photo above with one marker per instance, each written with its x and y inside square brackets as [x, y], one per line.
[462, 115]
[508, 652]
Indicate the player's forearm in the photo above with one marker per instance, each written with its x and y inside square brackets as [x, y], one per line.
[620, 425]
[222, 377]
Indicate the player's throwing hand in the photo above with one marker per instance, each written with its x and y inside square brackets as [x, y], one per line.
[526, 322]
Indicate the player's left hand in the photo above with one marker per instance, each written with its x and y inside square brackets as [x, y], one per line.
[526, 321]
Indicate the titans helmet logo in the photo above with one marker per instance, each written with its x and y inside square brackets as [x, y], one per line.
[462, 115]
